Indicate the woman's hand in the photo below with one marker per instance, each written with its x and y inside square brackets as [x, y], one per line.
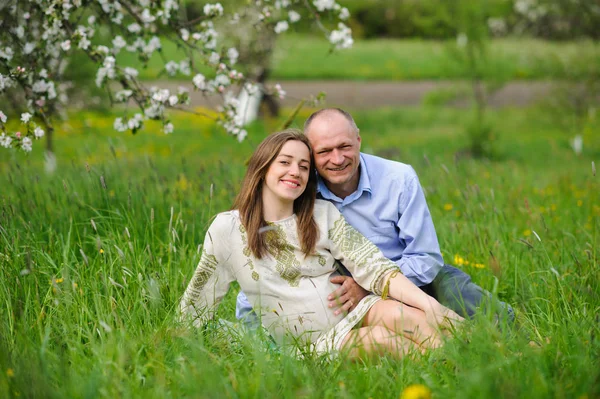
[440, 316]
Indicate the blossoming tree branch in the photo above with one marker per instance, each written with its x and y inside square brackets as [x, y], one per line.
[38, 37]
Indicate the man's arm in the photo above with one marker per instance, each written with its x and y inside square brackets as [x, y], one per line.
[421, 259]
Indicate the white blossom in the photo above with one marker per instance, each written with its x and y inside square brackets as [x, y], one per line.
[66, 45]
[26, 144]
[25, 117]
[7, 53]
[134, 28]
[214, 58]
[344, 14]
[293, 16]
[5, 82]
[199, 81]
[2, 117]
[147, 17]
[123, 95]
[154, 111]
[233, 55]
[185, 34]
[342, 37]
[131, 72]
[281, 27]
[168, 128]
[184, 67]
[41, 86]
[323, 5]
[38, 132]
[173, 100]
[103, 49]
[161, 95]
[5, 140]
[171, 67]
[118, 43]
[213, 9]
[242, 135]
[135, 122]
[84, 43]
[19, 31]
[119, 126]
[28, 48]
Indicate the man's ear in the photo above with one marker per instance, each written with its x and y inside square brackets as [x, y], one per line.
[359, 140]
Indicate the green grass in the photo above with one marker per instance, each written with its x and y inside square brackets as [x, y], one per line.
[89, 309]
[305, 57]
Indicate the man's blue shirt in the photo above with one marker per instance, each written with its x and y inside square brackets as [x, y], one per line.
[389, 208]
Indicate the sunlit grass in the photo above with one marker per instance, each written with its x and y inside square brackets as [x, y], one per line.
[309, 57]
[95, 257]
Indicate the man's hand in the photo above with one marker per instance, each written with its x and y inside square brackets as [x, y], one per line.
[345, 298]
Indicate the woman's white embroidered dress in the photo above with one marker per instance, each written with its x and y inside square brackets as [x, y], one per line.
[288, 291]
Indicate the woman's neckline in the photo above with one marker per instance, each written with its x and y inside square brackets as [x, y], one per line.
[285, 219]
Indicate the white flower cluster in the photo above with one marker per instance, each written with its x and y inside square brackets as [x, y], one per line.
[19, 139]
[38, 38]
[342, 37]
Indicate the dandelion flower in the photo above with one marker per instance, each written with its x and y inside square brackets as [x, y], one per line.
[448, 207]
[416, 391]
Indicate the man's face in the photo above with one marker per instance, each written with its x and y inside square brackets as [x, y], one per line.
[336, 146]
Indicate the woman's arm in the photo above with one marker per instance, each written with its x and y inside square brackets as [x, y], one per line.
[210, 281]
[402, 289]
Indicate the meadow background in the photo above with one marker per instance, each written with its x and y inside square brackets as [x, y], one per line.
[95, 257]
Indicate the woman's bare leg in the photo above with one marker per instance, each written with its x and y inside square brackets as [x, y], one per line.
[377, 340]
[403, 320]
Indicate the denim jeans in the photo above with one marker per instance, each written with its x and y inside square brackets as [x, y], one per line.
[452, 287]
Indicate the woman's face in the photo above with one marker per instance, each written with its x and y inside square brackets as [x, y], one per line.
[288, 174]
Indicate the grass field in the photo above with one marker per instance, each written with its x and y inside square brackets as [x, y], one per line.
[305, 57]
[94, 259]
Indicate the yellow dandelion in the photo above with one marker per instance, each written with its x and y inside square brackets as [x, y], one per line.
[448, 207]
[479, 265]
[59, 280]
[111, 193]
[579, 202]
[416, 391]
[101, 251]
[553, 207]
[10, 373]
[459, 260]
[527, 233]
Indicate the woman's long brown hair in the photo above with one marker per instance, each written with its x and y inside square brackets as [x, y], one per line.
[249, 201]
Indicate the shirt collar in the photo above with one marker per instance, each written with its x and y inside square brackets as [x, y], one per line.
[364, 183]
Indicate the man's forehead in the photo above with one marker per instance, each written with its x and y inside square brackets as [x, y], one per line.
[329, 126]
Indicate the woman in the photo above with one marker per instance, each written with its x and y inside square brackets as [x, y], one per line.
[281, 246]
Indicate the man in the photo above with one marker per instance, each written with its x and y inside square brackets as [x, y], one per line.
[384, 201]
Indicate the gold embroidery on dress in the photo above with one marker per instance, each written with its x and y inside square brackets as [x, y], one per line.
[287, 265]
[247, 253]
[351, 241]
[206, 267]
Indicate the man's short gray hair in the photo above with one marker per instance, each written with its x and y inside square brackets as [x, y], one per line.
[326, 111]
